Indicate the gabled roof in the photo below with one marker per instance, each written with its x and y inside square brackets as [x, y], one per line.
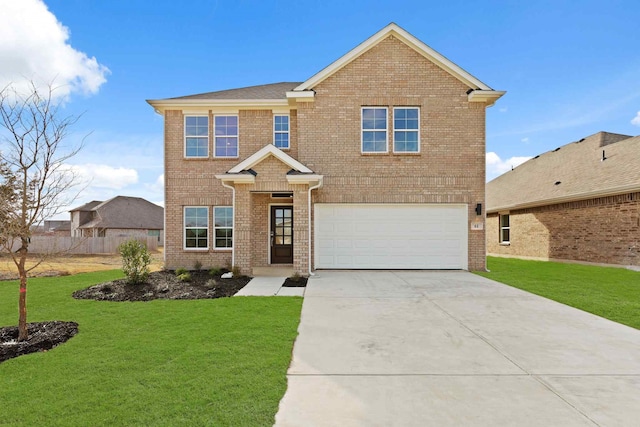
[279, 94]
[267, 91]
[263, 153]
[125, 212]
[395, 30]
[571, 172]
[242, 173]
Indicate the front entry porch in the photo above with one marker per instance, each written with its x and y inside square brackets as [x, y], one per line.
[271, 213]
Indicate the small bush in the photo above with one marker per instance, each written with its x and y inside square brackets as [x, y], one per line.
[197, 265]
[135, 261]
[211, 283]
[180, 271]
[215, 271]
[236, 271]
[184, 277]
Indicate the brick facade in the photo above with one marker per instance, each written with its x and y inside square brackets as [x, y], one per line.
[325, 136]
[602, 230]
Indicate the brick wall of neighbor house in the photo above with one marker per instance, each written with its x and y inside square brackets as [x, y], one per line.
[450, 167]
[598, 230]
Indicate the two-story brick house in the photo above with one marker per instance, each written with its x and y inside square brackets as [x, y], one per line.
[377, 161]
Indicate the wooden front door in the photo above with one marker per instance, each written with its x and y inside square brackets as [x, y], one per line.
[281, 234]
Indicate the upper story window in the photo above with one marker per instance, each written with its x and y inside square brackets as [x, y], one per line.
[374, 129]
[196, 227]
[226, 136]
[505, 229]
[281, 131]
[196, 136]
[406, 130]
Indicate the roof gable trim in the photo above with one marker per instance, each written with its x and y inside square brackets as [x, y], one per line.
[408, 39]
[263, 153]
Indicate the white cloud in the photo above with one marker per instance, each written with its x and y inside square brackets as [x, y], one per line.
[525, 140]
[496, 166]
[104, 176]
[503, 109]
[636, 120]
[35, 48]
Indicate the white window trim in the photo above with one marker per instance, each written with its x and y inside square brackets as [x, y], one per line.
[500, 227]
[184, 135]
[288, 132]
[184, 229]
[405, 130]
[214, 135]
[233, 215]
[362, 130]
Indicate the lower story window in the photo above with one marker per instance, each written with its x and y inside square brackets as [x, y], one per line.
[223, 220]
[196, 227]
[504, 229]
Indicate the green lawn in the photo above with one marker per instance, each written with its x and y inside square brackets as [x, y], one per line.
[613, 293]
[218, 362]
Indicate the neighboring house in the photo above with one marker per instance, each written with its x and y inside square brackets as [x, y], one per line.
[578, 202]
[377, 161]
[57, 227]
[118, 217]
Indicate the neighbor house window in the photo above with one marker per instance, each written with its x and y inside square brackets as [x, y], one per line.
[223, 220]
[196, 136]
[374, 129]
[196, 227]
[504, 229]
[281, 131]
[406, 130]
[226, 136]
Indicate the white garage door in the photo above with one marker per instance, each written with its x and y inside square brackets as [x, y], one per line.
[391, 236]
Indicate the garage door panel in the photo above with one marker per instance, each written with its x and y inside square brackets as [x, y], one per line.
[391, 236]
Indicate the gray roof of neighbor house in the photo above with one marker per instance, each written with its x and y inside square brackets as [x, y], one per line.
[126, 212]
[575, 171]
[87, 206]
[268, 91]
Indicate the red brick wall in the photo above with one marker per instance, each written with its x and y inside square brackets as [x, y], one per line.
[597, 230]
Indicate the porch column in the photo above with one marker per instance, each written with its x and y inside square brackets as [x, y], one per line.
[301, 229]
[242, 230]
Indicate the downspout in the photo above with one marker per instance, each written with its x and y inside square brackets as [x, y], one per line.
[318, 185]
[233, 223]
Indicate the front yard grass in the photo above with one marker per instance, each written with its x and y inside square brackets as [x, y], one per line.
[215, 362]
[612, 293]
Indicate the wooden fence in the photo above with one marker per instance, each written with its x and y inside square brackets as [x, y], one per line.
[84, 245]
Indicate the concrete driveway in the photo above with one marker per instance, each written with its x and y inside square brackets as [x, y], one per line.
[410, 348]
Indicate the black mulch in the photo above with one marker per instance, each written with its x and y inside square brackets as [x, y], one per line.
[43, 336]
[295, 282]
[165, 285]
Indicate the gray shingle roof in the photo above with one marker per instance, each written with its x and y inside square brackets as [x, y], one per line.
[126, 212]
[268, 91]
[87, 206]
[574, 171]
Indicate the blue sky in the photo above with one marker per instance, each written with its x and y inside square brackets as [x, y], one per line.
[570, 68]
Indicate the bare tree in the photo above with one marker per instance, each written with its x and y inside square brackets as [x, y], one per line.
[35, 181]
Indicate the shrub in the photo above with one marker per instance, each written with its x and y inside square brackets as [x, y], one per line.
[135, 261]
[211, 283]
[236, 271]
[197, 265]
[215, 271]
[180, 271]
[184, 277]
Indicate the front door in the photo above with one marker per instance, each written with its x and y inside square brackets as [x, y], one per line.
[281, 234]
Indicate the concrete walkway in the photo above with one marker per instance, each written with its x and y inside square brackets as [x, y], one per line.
[269, 286]
[454, 349]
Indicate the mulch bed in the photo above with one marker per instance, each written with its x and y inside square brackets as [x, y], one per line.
[43, 336]
[165, 285]
[295, 282]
